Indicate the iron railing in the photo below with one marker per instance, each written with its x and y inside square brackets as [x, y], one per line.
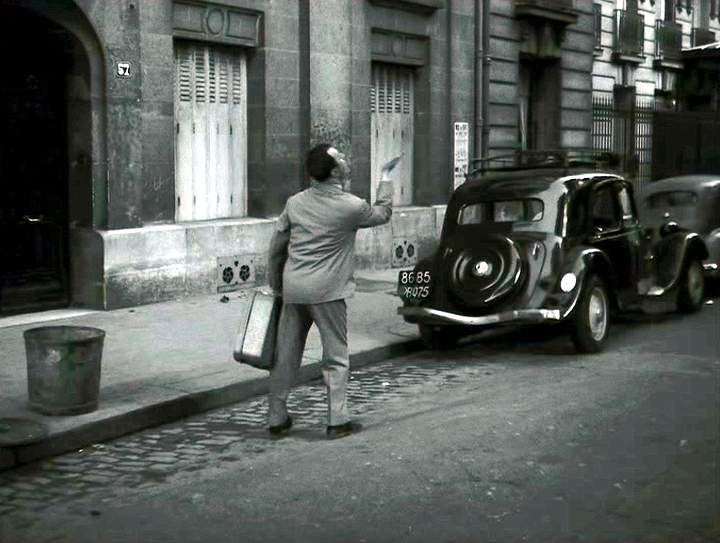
[702, 36]
[626, 133]
[629, 33]
[668, 40]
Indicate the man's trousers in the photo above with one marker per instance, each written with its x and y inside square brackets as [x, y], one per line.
[293, 328]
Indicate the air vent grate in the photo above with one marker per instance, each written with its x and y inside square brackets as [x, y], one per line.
[235, 272]
[404, 253]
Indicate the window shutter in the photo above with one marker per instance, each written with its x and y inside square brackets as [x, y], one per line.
[392, 126]
[211, 133]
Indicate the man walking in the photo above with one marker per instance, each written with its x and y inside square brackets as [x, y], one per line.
[315, 240]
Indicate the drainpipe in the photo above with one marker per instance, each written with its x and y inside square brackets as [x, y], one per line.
[482, 77]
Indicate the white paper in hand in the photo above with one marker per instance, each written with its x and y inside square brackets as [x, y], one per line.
[390, 165]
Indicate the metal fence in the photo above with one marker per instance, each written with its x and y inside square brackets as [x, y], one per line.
[627, 132]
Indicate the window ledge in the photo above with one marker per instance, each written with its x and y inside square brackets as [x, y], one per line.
[667, 63]
[533, 10]
[628, 58]
[232, 221]
[426, 7]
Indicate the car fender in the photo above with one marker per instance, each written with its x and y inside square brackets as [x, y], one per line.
[712, 242]
[581, 262]
[672, 253]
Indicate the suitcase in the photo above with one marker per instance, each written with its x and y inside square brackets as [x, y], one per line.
[255, 341]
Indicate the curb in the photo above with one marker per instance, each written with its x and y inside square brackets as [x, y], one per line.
[178, 408]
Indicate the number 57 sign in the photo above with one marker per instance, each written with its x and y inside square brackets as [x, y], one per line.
[123, 69]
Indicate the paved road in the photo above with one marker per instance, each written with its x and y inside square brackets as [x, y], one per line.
[513, 438]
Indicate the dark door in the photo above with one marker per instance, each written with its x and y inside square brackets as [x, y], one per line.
[539, 91]
[33, 167]
[610, 234]
[684, 142]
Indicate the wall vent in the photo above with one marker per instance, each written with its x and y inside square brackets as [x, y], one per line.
[404, 253]
[235, 272]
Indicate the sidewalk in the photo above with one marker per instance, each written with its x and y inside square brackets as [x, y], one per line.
[169, 360]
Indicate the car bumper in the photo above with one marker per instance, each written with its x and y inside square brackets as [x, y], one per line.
[427, 315]
[712, 270]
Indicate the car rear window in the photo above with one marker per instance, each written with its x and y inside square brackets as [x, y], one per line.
[675, 198]
[529, 210]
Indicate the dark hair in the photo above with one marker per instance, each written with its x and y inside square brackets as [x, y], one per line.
[319, 163]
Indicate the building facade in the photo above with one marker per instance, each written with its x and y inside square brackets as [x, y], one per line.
[644, 76]
[148, 145]
[540, 75]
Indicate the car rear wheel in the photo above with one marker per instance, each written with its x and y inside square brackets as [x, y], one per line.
[438, 337]
[692, 287]
[590, 323]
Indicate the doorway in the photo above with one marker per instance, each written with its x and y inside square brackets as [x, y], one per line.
[539, 104]
[34, 202]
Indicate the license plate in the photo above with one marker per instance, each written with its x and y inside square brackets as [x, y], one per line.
[414, 286]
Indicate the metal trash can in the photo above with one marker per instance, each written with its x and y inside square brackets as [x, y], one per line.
[63, 368]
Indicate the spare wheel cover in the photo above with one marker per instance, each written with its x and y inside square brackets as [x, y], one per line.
[485, 270]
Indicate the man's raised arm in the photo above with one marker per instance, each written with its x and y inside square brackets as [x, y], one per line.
[381, 211]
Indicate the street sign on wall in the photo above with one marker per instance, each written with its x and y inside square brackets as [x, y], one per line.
[461, 151]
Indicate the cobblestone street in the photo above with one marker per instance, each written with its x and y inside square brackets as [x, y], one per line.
[145, 459]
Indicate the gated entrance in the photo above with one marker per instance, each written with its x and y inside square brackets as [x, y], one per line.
[686, 142]
[627, 131]
[656, 144]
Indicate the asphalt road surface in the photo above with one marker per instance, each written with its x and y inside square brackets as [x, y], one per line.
[508, 438]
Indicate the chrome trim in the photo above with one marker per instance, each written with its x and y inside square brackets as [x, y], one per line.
[655, 291]
[537, 315]
[710, 267]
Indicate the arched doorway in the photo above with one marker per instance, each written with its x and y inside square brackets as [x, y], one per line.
[45, 158]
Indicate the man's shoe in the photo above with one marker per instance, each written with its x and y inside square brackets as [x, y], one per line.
[281, 429]
[343, 430]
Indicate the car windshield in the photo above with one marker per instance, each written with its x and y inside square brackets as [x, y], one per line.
[502, 211]
[676, 198]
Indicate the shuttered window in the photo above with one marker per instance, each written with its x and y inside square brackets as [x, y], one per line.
[210, 132]
[392, 110]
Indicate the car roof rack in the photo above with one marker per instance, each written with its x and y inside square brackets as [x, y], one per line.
[548, 159]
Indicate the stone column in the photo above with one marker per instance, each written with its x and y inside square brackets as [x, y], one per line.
[331, 73]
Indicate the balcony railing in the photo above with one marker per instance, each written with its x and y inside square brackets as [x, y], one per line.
[702, 36]
[629, 35]
[557, 10]
[668, 40]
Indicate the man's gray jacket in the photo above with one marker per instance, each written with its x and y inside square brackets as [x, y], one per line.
[312, 252]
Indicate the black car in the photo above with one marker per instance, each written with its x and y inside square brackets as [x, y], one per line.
[693, 201]
[547, 245]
